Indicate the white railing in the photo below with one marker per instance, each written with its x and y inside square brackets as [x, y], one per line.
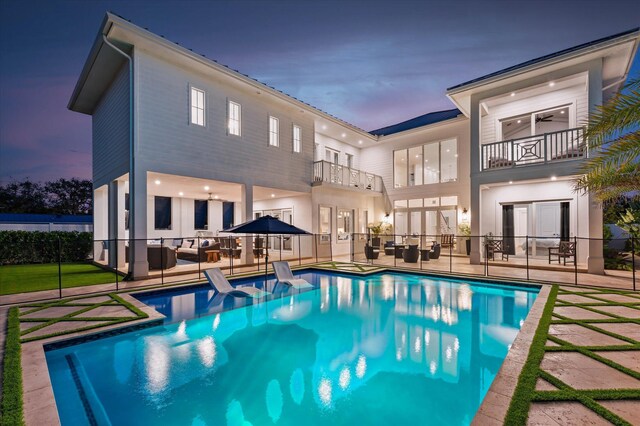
[324, 171]
[537, 149]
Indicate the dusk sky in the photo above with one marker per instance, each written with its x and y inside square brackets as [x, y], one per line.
[371, 63]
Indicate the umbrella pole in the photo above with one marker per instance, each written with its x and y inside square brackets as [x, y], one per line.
[266, 260]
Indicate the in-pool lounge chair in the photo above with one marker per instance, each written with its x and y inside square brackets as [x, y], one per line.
[284, 275]
[219, 283]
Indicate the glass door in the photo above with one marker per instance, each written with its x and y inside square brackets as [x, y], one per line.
[415, 226]
[400, 221]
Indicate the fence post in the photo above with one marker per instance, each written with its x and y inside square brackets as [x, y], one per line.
[331, 247]
[198, 254]
[59, 268]
[421, 239]
[526, 251]
[230, 256]
[299, 252]
[280, 251]
[117, 261]
[451, 257]
[633, 262]
[353, 236]
[315, 242]
[394, 251]
[486, 260]
[575, 260]
[161, 261]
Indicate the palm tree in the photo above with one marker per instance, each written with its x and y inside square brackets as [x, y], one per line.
[613, 133]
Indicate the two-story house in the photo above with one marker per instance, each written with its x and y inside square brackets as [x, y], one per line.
[183, 146]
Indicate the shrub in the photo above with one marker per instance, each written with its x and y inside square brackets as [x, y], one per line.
[11, 406]
[19, 247]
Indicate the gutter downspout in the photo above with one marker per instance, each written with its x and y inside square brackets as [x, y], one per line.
[131, 158]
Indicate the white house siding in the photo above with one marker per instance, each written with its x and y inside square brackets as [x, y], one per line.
[323, 141]
[110, 127]
[379, 160]
[494, 197]
[168, 143]
[575, 96]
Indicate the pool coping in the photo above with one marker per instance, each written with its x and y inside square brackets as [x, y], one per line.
[495, 403]
[39, 402]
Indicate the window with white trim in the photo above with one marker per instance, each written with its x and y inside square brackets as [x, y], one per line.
[234, 113]
[197, 106]
[274, 131]
[297, 138]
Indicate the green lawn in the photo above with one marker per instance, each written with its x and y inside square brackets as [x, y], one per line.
[26, 278]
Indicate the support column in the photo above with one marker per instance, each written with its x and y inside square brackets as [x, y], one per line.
[246, 213]
[112, 228]
[476, 241]
[595, 260]
[138, 264]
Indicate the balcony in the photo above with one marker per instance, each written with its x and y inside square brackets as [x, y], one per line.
[326, 172]
[531, 150]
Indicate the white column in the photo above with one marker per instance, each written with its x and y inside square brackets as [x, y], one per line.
[112, 228]
[476, 196]
[139, 267]
[595, 260]
[246, 213]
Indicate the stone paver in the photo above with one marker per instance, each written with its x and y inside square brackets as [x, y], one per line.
[574, 312]
[564, 414]
[582, 372]
[575, 298]
[622, 311]
[618, 298]
[576, 289]
[581, 336]
[551, 343]
[543, 385]
[118, 311]
[53, 312]
[627, 329]
[628, 410]
[27, 325]
[629, 359]
[63, 326]
[95, 299]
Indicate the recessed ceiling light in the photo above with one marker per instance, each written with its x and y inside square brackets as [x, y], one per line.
[553, 178]
[273, 195]
[562, 112]
[157, 182]
[324, 127]
[206, 187]
[360, 142]
[448, 150]
[456, 155]
[426, 161]
[417, 155]
[552, 84]
[510, 182]
[519, 121]
[513, 93]
[181, 193]
[215, 197]
[344, 135]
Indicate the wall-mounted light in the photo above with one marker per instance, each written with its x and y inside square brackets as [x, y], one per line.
[465, 214]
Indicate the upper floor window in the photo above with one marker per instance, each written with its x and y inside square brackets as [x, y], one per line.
[234, 118]
[430, 163]
[197, 106]
[274, 131]
[297, 138]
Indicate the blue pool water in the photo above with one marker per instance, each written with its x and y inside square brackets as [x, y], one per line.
[390, 348]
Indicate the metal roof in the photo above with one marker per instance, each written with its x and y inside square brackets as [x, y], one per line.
[545, 58]
[422, 120]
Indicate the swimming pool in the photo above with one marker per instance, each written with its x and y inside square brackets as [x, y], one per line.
[388, 348]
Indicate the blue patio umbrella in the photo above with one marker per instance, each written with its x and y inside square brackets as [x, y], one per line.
[267, 225]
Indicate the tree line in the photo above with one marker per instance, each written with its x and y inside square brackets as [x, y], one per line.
[63, 196]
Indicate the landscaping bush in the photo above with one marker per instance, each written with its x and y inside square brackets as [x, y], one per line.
[20, 247]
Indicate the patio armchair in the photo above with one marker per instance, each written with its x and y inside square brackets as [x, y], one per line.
[434, 253]
[389, 249]
[371, 252]
[497, 246]
[566, 250]
[411, 254]
[447, 241]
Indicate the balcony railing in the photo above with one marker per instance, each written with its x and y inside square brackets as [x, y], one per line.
[324, 171]
[538, 149]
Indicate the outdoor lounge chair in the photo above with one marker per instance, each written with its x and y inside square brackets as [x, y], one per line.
[566, 250]
[219, 282]
[284, 275]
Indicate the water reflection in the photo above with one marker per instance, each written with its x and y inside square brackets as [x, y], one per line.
[348, 343]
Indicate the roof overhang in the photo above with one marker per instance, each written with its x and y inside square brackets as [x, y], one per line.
[617, 54]
[103, 64]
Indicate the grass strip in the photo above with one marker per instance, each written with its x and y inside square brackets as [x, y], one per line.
[525, 389]
[11, 406]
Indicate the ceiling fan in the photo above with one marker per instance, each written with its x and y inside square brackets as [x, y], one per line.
[544, 119]
[210, 197]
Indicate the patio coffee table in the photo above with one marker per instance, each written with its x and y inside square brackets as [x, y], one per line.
[213, 255]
